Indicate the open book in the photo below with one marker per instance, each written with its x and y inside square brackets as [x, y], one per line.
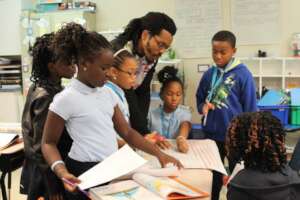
[147, 187]
[6, 139]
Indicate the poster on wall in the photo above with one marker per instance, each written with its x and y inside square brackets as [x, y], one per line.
[256, 21]
[197, 21]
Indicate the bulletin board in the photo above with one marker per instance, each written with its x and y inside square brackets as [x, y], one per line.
[197, 21]
[256, 21]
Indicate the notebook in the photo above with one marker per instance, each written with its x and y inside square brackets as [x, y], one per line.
[6, 139]
[147, 187]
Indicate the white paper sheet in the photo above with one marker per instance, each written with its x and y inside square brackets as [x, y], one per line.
[6, 139]
[124, 190]
[197, 21]
[238, 167]
[118, 164]
[256, 21]
[202, 154]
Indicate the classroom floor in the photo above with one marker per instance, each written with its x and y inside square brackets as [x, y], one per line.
[291, 140]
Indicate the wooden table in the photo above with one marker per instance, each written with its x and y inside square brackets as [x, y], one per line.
[198, 178]
[11, 159]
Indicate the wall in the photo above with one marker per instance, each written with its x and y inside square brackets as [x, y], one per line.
[10, 11]
[114, 14]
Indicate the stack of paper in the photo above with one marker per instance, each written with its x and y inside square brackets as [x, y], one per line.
[118, 164]
[202, 154]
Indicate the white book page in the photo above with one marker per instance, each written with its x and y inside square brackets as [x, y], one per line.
[202, 154]
[124, 190]
[163, 186]
[6, 139]
[170, 170]
[118, 164]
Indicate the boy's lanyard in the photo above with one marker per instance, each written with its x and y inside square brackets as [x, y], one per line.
[165, 131]
[216, 82]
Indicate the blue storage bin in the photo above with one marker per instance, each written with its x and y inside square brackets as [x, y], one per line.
[196, 132]
[280, 111]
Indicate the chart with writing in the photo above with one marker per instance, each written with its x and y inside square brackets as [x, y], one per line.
[255, 21]
[197, 21]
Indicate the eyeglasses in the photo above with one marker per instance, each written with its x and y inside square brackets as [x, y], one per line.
[160, 44]
[132, 74]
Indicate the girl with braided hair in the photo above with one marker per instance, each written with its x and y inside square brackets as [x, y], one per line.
[257, 139]
[37, 180]
[122, 76]
[171, 120]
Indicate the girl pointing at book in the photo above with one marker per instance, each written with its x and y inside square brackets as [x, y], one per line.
[88, 110]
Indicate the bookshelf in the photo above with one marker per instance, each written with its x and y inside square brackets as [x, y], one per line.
[274, 72]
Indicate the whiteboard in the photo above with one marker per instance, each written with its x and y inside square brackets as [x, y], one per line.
[256, 21]
[10, 11]
[197, 21]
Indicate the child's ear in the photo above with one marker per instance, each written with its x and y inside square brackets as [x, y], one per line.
[83, 65]
[234, 50]
[112, 72]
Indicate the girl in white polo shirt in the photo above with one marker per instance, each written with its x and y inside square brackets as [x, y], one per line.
[88, 110]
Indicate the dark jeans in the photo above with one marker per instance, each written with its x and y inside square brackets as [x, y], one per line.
[295, 161]
[77, 168]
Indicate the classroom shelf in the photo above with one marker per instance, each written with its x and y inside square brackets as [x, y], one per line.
[274, 72]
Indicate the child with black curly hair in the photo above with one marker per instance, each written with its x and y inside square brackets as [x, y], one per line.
[257, 139]
[37, 179]
[171, 120]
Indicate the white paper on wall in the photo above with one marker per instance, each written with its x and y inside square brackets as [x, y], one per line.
[197, 21]
[256, 21]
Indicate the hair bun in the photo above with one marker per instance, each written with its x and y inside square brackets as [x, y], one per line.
[168, 72]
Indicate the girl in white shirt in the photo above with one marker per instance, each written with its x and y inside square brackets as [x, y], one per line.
[88, 110]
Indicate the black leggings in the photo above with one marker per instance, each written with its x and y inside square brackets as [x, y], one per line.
[77, 168]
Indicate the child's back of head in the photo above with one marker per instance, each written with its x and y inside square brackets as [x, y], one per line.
[257, 138]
